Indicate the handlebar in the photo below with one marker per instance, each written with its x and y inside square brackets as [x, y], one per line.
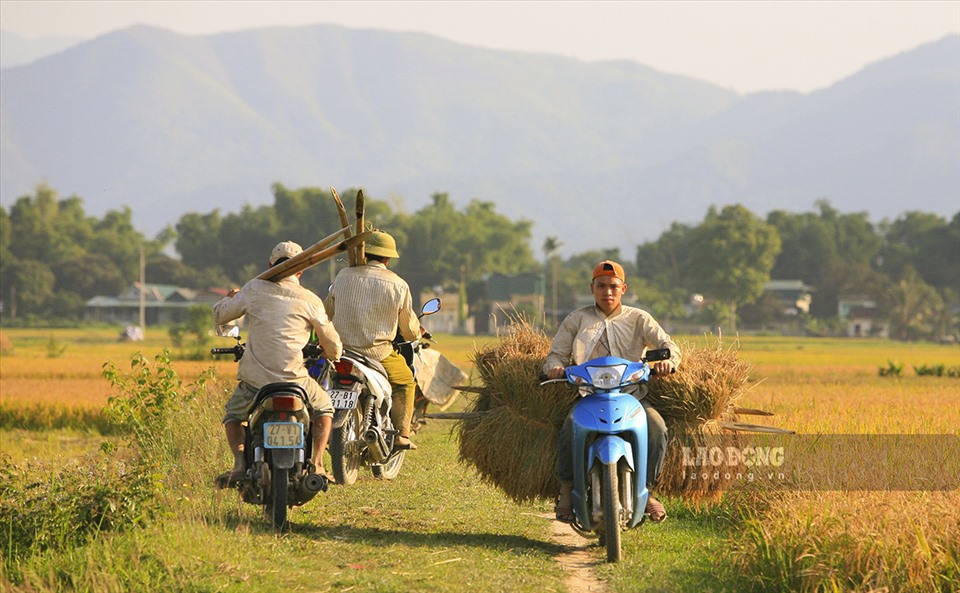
[233, 350]
[542, 377]
[650, 357]
[309, 351]
[312, 351]
[423, 341]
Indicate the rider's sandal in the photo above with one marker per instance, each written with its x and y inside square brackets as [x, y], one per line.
[656, 510]
[404, 443]
[310, 468]
[228, 479]
[564, 514]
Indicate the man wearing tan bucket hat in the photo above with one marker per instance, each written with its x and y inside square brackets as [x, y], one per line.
[610, 328]
[369, 304]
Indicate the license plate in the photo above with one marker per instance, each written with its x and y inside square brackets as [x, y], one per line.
[283, 435]
[343, 399]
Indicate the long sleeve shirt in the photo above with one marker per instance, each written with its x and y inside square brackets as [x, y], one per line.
[629, 333]
[279, 317]
[368, 305]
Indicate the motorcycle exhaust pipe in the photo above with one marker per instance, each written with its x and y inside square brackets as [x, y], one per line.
[314, 483]
[376, 444]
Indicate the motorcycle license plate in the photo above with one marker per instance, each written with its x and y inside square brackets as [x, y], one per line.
[283, 435]
[343, 399]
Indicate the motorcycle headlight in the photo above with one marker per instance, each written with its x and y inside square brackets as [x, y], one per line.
[607, 377]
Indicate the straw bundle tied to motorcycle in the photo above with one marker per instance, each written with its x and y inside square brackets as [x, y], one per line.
[509, 433]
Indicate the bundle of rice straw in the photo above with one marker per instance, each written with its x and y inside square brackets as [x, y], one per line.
[512, 441]
[694, 402]
[511, 436]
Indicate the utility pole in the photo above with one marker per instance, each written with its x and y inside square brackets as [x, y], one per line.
[550, 263]
[143, 294]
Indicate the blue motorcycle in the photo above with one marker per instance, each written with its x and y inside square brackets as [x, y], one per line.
[609, 447]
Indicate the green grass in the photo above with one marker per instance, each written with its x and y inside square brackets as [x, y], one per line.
[435, 528]
[678, 555]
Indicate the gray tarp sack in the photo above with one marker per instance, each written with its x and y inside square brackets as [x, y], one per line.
[437, 377]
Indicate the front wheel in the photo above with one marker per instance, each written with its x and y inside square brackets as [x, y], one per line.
[346, 451]
[390, 468]
[277, 507]
[611, 511]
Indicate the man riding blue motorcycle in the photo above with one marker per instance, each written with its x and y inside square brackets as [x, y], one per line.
[610, 329]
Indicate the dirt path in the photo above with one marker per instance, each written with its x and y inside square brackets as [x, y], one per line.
[577, 561]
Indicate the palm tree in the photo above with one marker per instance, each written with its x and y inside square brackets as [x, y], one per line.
[550, 247]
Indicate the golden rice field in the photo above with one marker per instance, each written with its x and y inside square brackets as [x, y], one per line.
[909, 538]
[64, 366]
[812, 385]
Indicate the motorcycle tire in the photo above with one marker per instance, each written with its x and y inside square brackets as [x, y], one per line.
[277, 506]
[389, 469]
[345, 450]
[610, 486]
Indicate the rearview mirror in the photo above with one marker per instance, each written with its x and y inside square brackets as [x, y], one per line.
[430, 307]
[655, 355]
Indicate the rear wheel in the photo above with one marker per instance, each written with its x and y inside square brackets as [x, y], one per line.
[277, 507]
[346, 450]
[611, 511]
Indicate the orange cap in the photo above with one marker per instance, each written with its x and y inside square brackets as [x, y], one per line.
[609, 268]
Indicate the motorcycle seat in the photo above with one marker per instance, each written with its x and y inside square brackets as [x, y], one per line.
[271, 389]
[369, 362]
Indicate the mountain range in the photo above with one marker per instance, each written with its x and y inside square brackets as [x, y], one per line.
[599, 155]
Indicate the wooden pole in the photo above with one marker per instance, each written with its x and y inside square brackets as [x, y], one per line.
[752, 412]
[342, 213]
[743, 427]
[143, 298]
[305, 254]
[358, 212]
[313, 259]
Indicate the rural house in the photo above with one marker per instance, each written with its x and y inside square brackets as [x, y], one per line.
[163, 304]
[794, 296]
[861, 317]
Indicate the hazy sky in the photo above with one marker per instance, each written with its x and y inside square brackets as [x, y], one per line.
[745, 46]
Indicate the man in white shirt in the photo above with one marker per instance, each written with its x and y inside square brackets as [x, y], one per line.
[610, 328]
[280, 317]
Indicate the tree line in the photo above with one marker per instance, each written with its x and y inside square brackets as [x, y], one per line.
[54, 257]
[909, 267]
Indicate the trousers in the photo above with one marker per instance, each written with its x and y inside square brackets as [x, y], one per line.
[404, 391]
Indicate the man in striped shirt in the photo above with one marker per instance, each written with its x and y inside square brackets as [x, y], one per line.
[369, 304]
